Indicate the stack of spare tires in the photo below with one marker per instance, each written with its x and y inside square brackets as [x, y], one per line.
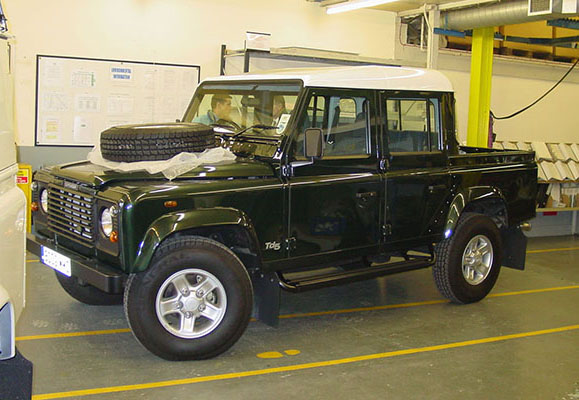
[130, 143]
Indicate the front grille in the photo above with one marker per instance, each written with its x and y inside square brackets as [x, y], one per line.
[70, 213]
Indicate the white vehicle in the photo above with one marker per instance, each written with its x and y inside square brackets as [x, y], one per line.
[12, 218]
[15, 370]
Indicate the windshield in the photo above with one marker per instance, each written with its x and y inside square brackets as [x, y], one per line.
[241, 105]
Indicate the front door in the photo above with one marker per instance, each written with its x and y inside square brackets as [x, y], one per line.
[417, 178]
[334, 201]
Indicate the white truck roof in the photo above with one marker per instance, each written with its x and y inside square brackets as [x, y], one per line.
[355, 77]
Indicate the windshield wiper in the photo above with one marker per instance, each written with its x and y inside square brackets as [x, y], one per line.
[224, 126]
[256, 126]
[222, 129]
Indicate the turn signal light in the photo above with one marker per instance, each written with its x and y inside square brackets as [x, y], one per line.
[34, 206]
[114, 237]
[170, 204]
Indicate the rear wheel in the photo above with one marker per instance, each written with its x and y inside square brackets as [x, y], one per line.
[86, 293]
[193, 302]
[468, 263]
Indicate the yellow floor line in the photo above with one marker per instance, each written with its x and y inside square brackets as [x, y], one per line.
[360, 309]
[311, 314]
[299, 367]
[552, 250]
[32, 261]
[420, 303]
[530, 291]
[71, 334]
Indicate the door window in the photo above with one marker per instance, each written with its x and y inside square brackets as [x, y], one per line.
[413, 125]
[344, 123]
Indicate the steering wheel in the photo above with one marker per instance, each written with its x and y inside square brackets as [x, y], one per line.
[228, 122]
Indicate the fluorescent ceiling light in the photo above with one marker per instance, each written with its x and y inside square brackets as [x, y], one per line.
[354, 5]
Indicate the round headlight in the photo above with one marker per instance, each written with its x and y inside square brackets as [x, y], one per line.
[44, 200]
[106, 222]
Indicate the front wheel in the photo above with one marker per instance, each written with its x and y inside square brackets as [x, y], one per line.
[194, 301]
[468, 263]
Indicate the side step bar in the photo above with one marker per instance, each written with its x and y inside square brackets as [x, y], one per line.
[342, 277]
[267, 285]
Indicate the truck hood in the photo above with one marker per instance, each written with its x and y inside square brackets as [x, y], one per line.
[98, 177]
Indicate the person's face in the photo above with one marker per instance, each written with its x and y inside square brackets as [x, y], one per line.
[223, 109]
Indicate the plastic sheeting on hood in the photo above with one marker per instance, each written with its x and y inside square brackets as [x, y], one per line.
[171, 168]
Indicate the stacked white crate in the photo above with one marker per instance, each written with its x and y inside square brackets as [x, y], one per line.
[558, 162]
[558, 165]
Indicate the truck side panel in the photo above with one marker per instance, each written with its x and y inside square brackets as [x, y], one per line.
[513, 175]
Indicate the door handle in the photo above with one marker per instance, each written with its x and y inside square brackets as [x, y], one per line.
[365, 195]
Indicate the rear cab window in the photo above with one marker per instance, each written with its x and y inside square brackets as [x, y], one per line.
[413, 123]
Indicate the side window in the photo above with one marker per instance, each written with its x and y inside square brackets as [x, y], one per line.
[413, 125]
[344, 123]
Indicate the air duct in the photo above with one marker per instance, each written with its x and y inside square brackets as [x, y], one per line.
[506, 13]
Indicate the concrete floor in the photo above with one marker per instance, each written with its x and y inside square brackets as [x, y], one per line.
[405, 343]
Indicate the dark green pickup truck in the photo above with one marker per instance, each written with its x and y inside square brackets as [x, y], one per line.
[339, 174]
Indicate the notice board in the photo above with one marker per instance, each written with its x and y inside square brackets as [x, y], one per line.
[77, 98]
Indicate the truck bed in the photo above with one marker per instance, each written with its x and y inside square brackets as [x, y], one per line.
[480, 155]
[512, 174]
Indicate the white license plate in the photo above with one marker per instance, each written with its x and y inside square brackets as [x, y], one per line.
[56, 260]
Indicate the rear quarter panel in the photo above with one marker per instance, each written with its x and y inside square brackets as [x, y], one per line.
[512, 173]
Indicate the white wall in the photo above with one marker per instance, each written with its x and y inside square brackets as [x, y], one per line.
[175, 31]
[192, 31]
[515, 84]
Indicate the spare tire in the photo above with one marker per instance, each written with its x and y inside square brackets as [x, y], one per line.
[130, 143]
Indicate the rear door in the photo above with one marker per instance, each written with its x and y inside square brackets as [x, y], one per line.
[417, 179]
[334, 201]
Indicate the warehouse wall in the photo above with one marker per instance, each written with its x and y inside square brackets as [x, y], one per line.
[516, 83]
[192, 31]
[171, 31]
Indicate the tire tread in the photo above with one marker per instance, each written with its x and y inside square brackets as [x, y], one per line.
[443, 268]
[170, 246]
[127, 144]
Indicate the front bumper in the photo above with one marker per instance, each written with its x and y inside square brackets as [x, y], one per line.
[88, 270]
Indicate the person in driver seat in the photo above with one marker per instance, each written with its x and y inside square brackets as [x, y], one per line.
[220, 110]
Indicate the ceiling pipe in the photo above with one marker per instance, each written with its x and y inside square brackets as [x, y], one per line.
[506, 13]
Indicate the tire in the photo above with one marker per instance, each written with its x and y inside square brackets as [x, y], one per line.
[468, 263]
[131, 143]
[188, 324]
[86, 293]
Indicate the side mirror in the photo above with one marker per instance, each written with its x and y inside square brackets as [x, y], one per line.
[313, 143]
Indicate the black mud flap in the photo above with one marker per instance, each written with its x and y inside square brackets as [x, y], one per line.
[514, 248]
[16, 378]
[267, 295]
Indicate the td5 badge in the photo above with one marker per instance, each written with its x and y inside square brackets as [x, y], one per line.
[273, 246]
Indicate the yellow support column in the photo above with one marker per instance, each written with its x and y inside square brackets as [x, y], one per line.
[481, 70]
